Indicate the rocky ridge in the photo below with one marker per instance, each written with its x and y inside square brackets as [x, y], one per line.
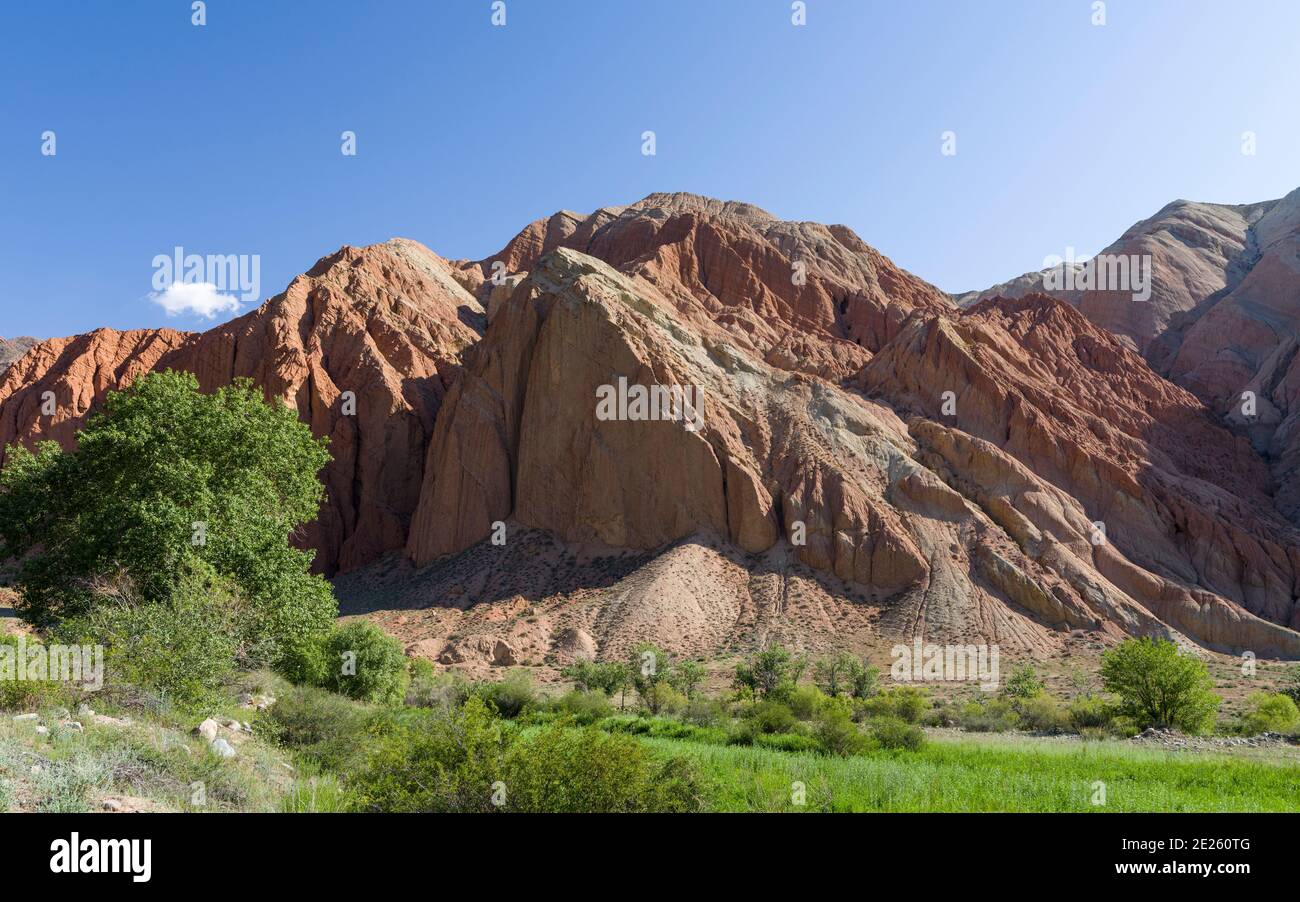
[1008, 473]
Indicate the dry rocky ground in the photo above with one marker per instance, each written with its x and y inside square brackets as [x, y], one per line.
[538, 603]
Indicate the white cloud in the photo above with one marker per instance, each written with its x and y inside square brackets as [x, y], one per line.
[200, 298]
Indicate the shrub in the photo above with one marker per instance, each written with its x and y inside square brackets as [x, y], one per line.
[1090, 712]
[687, 677]
[1290, 685]
[446, 690]
[942, 714]
[789, 742]
[421, 669]
[1159, 686]
[704, 712]
[993, 715]
[805, 701]
[864, 682]
[1043, 713]
[742, 732]
[320, 725]
[25, 694]
[1270, 712]
[438, 764]
[306, 662]
[837, 733]
[892, 733]
[67, 785]
[470, 760]
[1123, 725]
[584, 707]
[182, 648]
[581, 672]
[511, 696]
[772, 717]
[907, 703]
[563, 770]
[366, 664]
[671, 701]
[1024, 683]
[430, 689]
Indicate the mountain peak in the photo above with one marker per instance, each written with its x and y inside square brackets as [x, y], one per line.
[685, 202]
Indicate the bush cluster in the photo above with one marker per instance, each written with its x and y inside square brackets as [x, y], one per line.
[472, 760]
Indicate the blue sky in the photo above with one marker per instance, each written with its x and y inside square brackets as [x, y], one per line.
[225, 138]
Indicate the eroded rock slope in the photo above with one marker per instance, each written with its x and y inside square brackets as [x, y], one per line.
[858, 455]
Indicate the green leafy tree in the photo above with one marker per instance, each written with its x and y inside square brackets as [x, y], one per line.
[1024, 683]
[687, 677]
[607, 676]
[865, 682]
[1159, 686]
[846, 674]
[651, 672]
[162, 476]
[798, 667]
[766, 672]
[832, 674]
[620, 678]
[582, 672]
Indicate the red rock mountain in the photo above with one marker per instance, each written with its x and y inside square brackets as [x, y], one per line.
[1223, 319]
[869, 460]
[388, 323]
[13, 348]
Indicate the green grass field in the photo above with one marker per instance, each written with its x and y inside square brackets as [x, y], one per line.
[990, 776]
